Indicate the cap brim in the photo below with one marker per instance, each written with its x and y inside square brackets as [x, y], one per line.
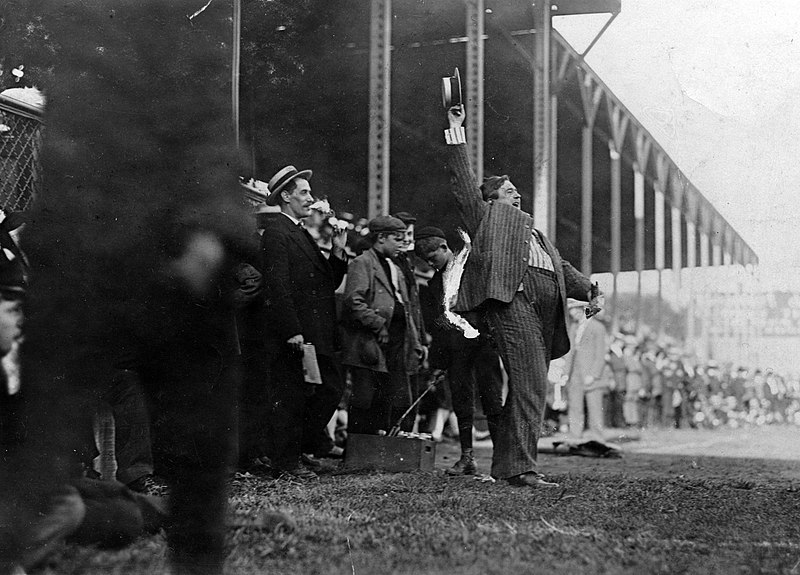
[457, 96]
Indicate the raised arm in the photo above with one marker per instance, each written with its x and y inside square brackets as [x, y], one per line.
[463, 182]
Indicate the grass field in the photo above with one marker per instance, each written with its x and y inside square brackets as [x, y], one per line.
[670, 505]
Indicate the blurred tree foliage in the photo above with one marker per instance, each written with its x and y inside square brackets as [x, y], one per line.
[303, 98]
[24, 40]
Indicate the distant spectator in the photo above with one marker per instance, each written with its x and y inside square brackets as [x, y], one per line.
[586, 366]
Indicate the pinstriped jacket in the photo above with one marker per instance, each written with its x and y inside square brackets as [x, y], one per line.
[500, 247]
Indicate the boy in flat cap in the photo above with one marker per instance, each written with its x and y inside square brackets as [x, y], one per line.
[471, 364]
[381, 343]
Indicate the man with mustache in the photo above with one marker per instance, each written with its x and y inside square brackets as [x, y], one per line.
[517, 280]
[300, 308]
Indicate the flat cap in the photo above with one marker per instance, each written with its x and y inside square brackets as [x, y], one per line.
[406, 217]
[386, 224]
[429, 232]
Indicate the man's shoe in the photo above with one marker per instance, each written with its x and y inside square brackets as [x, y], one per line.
[530, 480]
[310, 461]
[464, 466]
[335, 452]
[300, 473]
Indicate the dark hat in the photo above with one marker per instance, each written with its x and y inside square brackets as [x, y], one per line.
[386, 224]
[429, 232]
[281, 179]
[406, 217]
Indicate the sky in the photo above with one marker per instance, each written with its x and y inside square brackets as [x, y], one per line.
[717, 84]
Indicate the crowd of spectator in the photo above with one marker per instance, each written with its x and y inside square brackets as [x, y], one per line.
[654, 382]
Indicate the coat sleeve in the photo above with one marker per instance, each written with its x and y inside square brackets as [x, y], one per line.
[279, 302]
[464, 187]
[339, 268]
[357, 297]
[577, 284]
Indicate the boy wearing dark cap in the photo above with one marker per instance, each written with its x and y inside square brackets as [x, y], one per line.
[381, 343]
[405, 261]
[469, 363]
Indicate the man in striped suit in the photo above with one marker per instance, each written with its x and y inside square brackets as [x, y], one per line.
[516, 278]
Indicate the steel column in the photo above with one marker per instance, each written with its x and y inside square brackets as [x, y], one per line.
[591, 93]
[559, 69]
[642, 146]
[619, 126]
[542, 22]
[677, 255]
[616, 231]
[691, 263]
[716, 241]
[379, 107]
[677, 196]
[474, 80]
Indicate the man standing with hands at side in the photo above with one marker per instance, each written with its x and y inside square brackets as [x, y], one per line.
[299, 286]
[516, 278]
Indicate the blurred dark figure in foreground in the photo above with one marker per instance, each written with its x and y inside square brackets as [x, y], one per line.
[128, 242]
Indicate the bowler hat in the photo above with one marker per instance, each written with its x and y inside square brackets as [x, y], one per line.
[386, 224]
[280, 180]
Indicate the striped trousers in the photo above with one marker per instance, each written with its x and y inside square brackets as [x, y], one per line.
[523, 330]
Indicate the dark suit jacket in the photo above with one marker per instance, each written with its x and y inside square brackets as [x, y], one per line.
[499, 257]
[299, 286]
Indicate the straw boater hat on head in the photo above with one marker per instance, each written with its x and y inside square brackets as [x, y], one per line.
[280, 180]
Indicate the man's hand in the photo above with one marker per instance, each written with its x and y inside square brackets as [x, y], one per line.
[296, 342]
[455, 116]
[338, 241]
[383, 336]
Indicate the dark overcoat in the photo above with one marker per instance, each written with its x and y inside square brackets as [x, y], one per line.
[299, 286]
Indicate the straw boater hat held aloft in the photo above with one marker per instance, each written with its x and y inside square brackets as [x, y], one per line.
[279, 181]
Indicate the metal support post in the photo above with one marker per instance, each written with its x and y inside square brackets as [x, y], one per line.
[379, 110]
[542, 22]
[616, 231]
[638, 246]
[591, 93]
[474, 80]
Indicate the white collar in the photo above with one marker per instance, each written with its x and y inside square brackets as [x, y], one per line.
[294, 219]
